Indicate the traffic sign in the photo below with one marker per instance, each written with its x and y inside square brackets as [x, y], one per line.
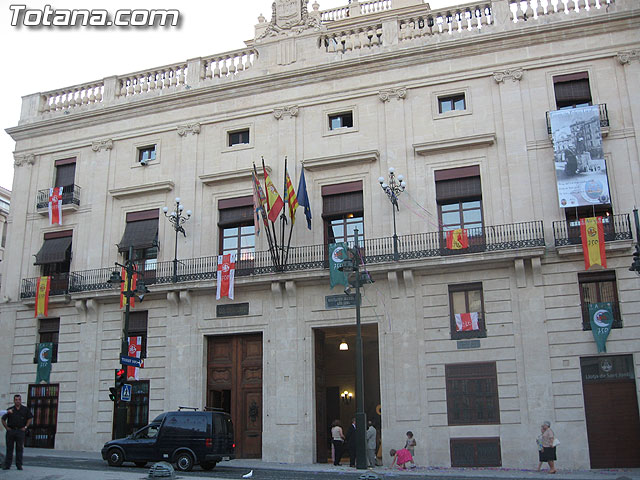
[131, 361]
[125, 394]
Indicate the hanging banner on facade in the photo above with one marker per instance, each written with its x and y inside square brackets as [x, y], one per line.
[130, 283]
[226, 276]
[457, 239]
[135, 349]
[45, 352]
[466, 322]
[42, 296]
[592, 235]
[337, 255]
[581, 171]
[601, 319]
[55, 206]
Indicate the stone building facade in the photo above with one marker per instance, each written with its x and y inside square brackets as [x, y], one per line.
[457, 101]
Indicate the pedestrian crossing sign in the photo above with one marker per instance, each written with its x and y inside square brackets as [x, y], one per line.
[125, 393]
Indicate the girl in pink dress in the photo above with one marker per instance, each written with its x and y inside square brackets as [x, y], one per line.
[402, 458]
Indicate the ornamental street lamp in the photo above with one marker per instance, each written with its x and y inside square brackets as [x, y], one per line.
[176, 218]
[353, 265]
[393, 189]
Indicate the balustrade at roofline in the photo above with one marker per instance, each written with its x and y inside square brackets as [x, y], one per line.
[381, 23]
[500, 238]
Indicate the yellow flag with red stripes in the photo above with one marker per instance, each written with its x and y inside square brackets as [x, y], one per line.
[592, 234]
[42, 296]
[291, 198]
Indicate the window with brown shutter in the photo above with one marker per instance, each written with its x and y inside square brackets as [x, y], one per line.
[48, 331]
[343, 212]
[138, 328]
[472, 394]
[236, 228]
[572, 90]
[597, 287]
[459, 199]
[65, 174]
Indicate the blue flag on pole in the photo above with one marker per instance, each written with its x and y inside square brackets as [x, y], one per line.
[303, 198]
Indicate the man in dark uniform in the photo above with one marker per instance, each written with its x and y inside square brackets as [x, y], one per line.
[16, 421]
[351, 443]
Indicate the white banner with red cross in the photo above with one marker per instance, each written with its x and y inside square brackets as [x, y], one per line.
[135, 350]
[466, 322]
[55, 206]
[226, 275]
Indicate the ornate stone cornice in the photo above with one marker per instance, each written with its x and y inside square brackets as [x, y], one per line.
[515, 74]
[628, 55]
[399, 92]
[291, 110]
[27, 159]
[98, 145]
[192, 128]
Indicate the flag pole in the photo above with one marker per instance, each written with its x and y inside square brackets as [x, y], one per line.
[283, 217]
[274, 258]
[275, 237]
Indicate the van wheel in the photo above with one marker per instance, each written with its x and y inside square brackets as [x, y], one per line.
[208, 465]
[141, 464]
[115, 457]
[184, 462]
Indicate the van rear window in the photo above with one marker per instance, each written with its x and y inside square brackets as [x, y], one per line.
[186, 424]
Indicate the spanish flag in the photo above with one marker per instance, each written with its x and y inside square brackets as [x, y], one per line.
[274, 200]
[42, 296]
[124, 286]
[592, 234]
[457, 239]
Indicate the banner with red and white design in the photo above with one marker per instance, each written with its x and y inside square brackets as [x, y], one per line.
[55, 206]
[135, 349]
[226, 275]
[466, 322]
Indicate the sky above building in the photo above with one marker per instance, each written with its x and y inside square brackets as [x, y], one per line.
[42, 58]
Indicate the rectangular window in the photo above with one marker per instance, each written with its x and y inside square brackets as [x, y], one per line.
[54, 258]
[237, 231]
[459, 199]
[138, 328]
[48, 331]
[340, 120]
[141, 234]
[65, 174]
[475, 452]
[3, 241]
[595, 288]
[572, 90]
[239, 137]
[466, 307]
[472, 394]
[451, 103]
[343, 212]
[146, 154]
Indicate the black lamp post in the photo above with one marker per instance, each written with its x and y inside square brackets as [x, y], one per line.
[353, 265]
[393, 189]
[176, 218]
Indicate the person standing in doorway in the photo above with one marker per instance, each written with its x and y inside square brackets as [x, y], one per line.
[337, 438]
[548, 452]
[16, 421]
[351, 443]
[371, 445]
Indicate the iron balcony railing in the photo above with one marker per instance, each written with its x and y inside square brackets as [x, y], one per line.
[376, 250]
[604, 117]
[70, 196]
[616, 227]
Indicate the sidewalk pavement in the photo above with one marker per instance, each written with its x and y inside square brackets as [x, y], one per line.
[245, 465]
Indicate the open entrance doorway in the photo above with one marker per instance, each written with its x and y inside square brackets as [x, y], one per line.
[335, 381]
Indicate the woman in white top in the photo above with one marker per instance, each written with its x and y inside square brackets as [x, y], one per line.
[337, 438]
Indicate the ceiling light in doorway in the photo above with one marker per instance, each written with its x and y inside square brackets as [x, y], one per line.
[343, 345]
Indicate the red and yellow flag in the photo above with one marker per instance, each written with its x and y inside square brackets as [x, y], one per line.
[592, 234]
[42, 296]
[274, 200]
[290, 198]
[457, 239]
[124, 286]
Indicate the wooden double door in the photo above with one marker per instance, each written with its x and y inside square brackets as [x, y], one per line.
[234, 383]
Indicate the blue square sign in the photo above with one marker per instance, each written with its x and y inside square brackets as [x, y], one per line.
[125, 393]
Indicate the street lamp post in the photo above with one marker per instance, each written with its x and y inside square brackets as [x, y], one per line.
[353, 265]
[393, 189]
[176, 218]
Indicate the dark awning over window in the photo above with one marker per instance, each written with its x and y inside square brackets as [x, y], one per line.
[54, 250]
[138, 235]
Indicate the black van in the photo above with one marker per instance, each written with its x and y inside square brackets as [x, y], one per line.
[185, 438]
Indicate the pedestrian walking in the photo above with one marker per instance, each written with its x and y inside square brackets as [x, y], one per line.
[337, 439]
[371, 445]
[548, 442]
[16, 421]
